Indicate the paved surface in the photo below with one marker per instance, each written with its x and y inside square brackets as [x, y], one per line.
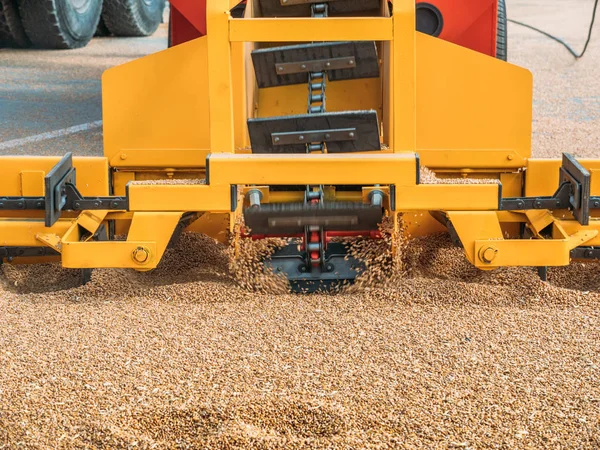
[44, 91]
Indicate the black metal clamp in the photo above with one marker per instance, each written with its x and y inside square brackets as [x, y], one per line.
[573, 193]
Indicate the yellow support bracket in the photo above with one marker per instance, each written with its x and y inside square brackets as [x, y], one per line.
[309, 29]
[146, 243]
[486, 248]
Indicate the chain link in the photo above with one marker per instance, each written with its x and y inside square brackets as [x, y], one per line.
[314, 237]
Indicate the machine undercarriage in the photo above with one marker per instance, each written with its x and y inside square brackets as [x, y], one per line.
[308, 121]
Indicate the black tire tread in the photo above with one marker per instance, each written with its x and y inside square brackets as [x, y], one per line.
[12, 33]
[126, 18]
[43, 28]
[102, 31]
[502, 32]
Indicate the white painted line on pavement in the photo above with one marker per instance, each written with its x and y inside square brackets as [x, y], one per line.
[50, 135]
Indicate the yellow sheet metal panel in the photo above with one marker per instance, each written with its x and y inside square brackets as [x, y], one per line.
[542, 176]
[220, 89]
[404, 81]
[275, 169]
[447, 197]
[470, 101]
[309, 29]
[449, 158]
[169, 197]
[348, 95]
[106, 255]
[421, 223]
[214, 225]
[572, 226]
[32, 183]
[92, 173]
[23, 232]
[157, 158]
[158, 102]
[512, 184]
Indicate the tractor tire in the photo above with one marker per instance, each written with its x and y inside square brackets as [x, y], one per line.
[502, 32]
[133, 17]
[12, 33]
[60, 24]
[102, 31]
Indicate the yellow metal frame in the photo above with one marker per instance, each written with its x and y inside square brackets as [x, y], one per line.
[464, 114]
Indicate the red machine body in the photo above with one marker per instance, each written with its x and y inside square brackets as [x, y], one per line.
[468, 23]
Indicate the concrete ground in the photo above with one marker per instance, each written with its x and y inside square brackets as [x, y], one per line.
[46, 91]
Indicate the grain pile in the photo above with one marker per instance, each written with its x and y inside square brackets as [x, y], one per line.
[444, 356]
[427, 176]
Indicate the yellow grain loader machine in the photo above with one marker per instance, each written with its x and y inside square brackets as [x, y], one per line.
[311, 120]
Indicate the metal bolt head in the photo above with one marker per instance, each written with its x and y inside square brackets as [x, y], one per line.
[280, 69]
[303, 66]
[300, 138]
[141, 255]
[327, 136]
[276, 139]
[351, 134]
[123, 156]
[351, 62]
[487, 254]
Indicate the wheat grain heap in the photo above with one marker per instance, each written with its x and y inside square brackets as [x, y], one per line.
[435, 354]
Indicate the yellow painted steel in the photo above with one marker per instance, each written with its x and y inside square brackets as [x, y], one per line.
[403, 78]
[19, 175]
[23, 232]
[214, 225]
[543, 176]
[469, 105]
[341, 96]
[528, 252]
[309, 29]
[366, 168]
[159, 158]
[457, 197]
[464, 114]
[146, 242]
[158, 102]
[168, 197]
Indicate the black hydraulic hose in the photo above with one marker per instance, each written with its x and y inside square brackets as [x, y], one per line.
[560, 41]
